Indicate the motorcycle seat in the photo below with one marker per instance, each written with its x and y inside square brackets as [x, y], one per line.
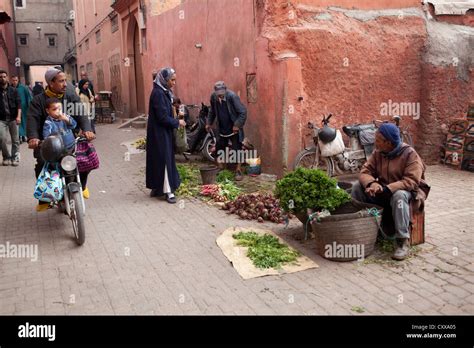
[355, 129]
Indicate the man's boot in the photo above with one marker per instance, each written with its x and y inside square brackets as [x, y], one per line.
[402, 250]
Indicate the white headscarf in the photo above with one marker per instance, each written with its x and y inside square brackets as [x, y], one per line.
[164, 75]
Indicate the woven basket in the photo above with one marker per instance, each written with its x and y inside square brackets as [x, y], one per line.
[349, 233]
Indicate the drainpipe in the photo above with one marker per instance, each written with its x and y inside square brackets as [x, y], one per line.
[16, 40]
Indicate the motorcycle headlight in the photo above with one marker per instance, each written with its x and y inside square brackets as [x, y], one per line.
[69, 163]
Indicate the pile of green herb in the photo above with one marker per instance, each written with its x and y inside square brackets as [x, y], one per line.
[225, 175]
[266, 251]
[189, 176]
[229, 190]
[309, 189]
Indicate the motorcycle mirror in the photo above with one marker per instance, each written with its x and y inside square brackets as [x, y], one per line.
[397, 119]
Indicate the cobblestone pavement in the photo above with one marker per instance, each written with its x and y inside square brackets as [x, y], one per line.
[144, 256]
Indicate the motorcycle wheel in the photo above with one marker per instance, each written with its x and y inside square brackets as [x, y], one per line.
[77, 218]
[311, 159]
[209, 150]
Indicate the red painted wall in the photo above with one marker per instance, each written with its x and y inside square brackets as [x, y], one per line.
[308, 59]
[224, 37]
[7, 51]
[350, 67]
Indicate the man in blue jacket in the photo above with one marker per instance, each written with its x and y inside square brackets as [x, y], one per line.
[231, 115]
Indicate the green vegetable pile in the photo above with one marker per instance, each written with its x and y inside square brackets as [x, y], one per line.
[266, 251]
[189, 180]
[223, 192]
[229, 190]
[309, 189]
[225, 175]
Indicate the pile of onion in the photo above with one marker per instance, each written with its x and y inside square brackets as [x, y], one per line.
[257, 206]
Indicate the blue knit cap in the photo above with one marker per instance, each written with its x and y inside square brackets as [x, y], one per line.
[391, 133]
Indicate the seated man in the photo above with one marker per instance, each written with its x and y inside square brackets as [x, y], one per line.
[389, 178]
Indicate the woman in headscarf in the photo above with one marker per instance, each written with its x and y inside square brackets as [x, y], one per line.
[88, 100]
[161, 173]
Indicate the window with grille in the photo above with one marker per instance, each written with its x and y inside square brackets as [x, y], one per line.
[114, 23]
[89, 70]
[97, 36]
[20, 3]
[100, 75]
[23, 40]
[51, 40]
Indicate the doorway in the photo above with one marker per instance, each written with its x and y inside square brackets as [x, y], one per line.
[139, 81]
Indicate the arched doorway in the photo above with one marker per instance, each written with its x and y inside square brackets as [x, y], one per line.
[140, 95]
[135, 70]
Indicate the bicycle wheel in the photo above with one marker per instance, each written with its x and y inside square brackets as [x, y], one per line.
[209, 150]
[311, 159]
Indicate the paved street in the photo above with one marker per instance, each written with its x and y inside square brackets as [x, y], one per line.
[144, 256]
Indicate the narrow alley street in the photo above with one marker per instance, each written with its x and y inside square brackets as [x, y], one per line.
[144, 256]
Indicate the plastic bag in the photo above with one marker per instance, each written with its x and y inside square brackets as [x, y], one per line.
[49, 186]
[181, 140]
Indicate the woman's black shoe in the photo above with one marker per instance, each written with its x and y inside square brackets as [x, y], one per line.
[154, 193]
[171, 200]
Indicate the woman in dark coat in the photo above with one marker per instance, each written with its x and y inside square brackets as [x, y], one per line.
[161, 173]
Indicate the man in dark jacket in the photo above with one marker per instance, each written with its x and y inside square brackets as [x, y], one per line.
[10, 119]
[391, 178]
[38, 88]
[231, 115]
[37, 115]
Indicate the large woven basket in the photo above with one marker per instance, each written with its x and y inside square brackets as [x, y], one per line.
[349, 233]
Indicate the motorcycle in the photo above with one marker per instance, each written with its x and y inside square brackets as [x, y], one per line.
[198, 139]
[329, 152]
[72, 204]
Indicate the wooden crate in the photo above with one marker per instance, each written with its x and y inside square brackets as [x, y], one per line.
[417, 225]
[417, 235]
[103, 104]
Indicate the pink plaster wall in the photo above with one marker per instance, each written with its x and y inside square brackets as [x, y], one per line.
[7, 53]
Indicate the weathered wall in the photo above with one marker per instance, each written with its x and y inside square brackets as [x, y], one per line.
[360, 4]
[310, 57]
[227, 53]
[353, 61]
[51, 17]
[448, 82]
[7, 47]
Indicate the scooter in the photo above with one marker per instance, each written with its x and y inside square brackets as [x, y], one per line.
[72, 204]
[199, 140]
[330, 154]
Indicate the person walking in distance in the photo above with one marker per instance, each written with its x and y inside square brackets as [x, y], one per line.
[10, 119]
